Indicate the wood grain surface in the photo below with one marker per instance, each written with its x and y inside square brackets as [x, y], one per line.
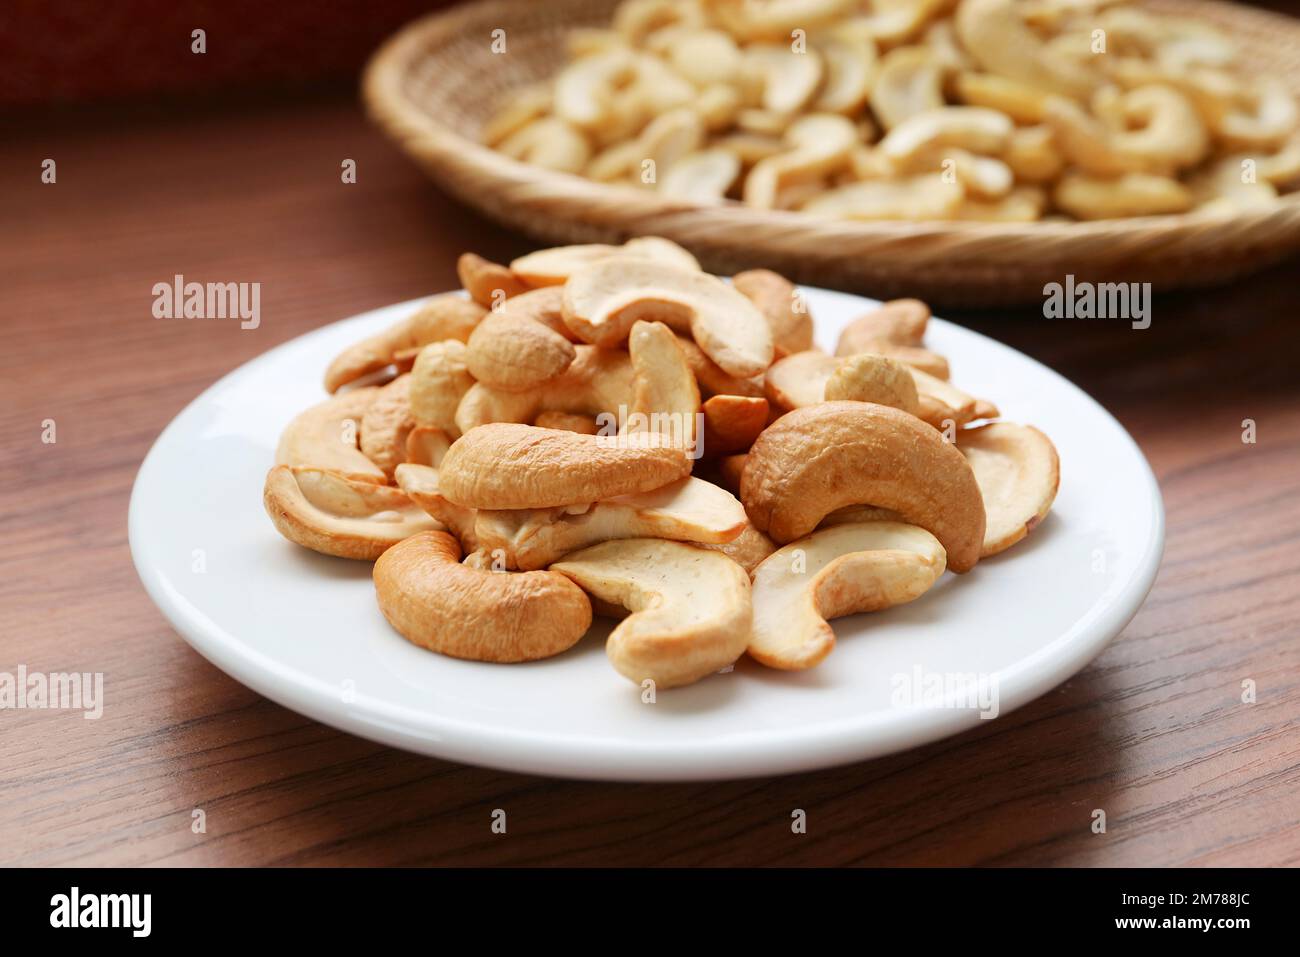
[1154, 731]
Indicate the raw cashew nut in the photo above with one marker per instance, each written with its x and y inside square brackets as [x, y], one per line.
[1018, 473]
[691, 611]
[334, 515]
[790, 79]
[549, 142]
[325, 437]
[665, 397]
[863, 566]
[486, 281]
[1023, 103]
[1162, 132]
[822, 143]
[780, 303]
[520, 345]
[874, 378]
[552, 267]
[434, 601]
[505, 465]
[386, 424]
[604, 300]
[439, 380]
[749, 20]
[994, 33]
[441, 318]
[850, 63]
[1133, 194]
[820, 458]
[597, 383]
[732, 423]
[909, 80]
[913, 197]
[688, 510]
[972, 128]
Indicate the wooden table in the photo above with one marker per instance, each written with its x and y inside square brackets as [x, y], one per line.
[1154, 731]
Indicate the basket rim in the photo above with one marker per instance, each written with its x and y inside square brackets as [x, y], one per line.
[385, 99]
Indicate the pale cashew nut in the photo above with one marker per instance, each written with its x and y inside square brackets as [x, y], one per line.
[915, 197]
[596, 383]
[1162, 132]
[334, 515]
[506, 465]
[850, 65]
[780, 303]
[1018, 472]
[1133, 194]
[1024, 204]
[426, 445]
[874, 378]
[892, 22]
[901, 321]
[972, 128]
[386, 424]
[604, 300]
[994, 33]
[635, 20]
[799, 379]
[550, 143]
[486, 281]
[670, 137]
[701, 177]
[420, 485]
[984, 177]
[817, 459]
[520, 108]
[688, 510]
[1021, 102]
[434, 601]
[552, 267]
[665, 397]
[1032, 154]
[326, 435]
[440, 378]
[790, 79]
[909, 80]
[837, 571]
[440, 318]
[823, 143]
[1264, 116]
[522, 344]
[691, 611]
[567, 421]
[749, 20]
[748, 549]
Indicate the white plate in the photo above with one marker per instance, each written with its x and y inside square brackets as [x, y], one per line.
[304, 629]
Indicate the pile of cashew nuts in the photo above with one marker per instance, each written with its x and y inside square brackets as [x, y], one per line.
[611, 430]
[994, 110]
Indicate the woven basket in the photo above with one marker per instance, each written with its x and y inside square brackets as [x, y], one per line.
[433, 85]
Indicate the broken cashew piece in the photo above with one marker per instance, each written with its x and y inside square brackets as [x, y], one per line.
[799, 380]
[426, 446]
[690, 607]
[1018, 472]
[781, 304]
[994, 33]
[326, 435]
[548, 467]
[605, 299]
[436, 602]
[837, 571]
[815, 460]
[488, 283]
[337, 516]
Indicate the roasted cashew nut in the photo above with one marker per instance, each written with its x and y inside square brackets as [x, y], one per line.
[690, 606]
[1018, 472]
[326, 436]
[522, 344]
[552, 267]
[837, 571]
[434, 601]
[1133, 194]
[420, 485]
[334, 515]
[487, 282]
[440, 379]
[874, 378]
[732, 423]
[780, 303]
[820, 458]
[665, 397]
[386, 424]
[994, 33]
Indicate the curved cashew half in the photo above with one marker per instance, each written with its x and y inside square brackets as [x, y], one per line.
[820, 458]
[688, 510]
[604, 300]
[552, 267]
[506, 465]
[790, 79]
[822, 144]
[325, 437]
[665, 397]
[972, 128]
[435, 602]
[486, 281]
[701, 177]
[596, 383]
[863, 566]
[1021, 102]
[549, 142]
[712, 379]
[334, 515]
[426, 446]
[1018, 473]
[799, 379]
[1133, 194]
[440, 318]
[386, 424]
[690, 606]
[439, 380]
[520, 345]
[1162, 132]
[909, 80]
[420, 484]
[782, 306]
[748, 549]
[914, 197]
[994, 33]
[850, 63]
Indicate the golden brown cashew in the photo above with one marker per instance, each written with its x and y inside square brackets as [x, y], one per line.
[520, 346]
[780, 303]
[712, 379]
[748, 549]
[688, 510]
[505, 465]
[337, 516]
[732, 423]
[386, 424]
[439, 380]
[1018, 473]
[596, 383]
[434, 601]
[850, 568]
[442, 317]
[690, 607]
[325, 437]
[603, 300]
[568, 422]
[799, 380]
[486, 281]
[817, 459]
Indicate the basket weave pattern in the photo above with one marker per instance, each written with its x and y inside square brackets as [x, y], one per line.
[434, 84]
